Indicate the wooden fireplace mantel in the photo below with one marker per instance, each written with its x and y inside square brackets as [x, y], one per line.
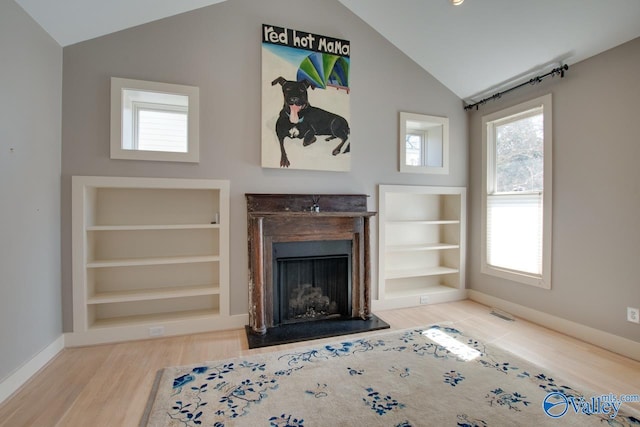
[274, 218]
[311, 214]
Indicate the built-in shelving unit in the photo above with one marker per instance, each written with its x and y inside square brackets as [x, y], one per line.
[150, 257]
[421, 245]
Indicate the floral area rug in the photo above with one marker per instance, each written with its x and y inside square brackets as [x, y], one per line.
[433, 376]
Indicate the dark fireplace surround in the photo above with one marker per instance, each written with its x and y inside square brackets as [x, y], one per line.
[278, 222]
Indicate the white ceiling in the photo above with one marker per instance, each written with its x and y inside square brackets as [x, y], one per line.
[474, 49]
[73, 21]
[483, 44]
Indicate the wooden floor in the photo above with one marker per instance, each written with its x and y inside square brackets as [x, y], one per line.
[108, 385]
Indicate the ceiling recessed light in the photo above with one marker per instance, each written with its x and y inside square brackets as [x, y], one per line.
[457, 2]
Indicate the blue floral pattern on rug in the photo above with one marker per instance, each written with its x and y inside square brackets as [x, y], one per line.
[396, 379]
[318, 392]
[380, 403]
[453, 378]
[285, 420]
[513, 401]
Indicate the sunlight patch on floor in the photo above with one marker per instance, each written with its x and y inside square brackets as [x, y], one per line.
[461, 350]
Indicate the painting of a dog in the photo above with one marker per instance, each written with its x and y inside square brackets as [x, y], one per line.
[299, 119]
[305, 101]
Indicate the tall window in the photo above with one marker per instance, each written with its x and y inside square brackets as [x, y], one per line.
[517, 198]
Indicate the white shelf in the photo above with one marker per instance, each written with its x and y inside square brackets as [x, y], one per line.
[127, 321]
[420, 272]
[422, 234]
[431, 290]
[152, 294]
[422, 247]
[423, 222]
[152, 227]
[146, 253]
[130, 262]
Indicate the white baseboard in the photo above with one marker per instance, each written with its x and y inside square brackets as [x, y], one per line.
[13, 382]
[124, 333]
[414, 300]
[611, 342]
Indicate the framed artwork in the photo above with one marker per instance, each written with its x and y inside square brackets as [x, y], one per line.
[305, 100]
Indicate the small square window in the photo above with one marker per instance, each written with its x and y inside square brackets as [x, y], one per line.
[424, 144]
[154, 121]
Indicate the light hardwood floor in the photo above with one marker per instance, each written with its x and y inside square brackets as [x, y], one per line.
[108, 385]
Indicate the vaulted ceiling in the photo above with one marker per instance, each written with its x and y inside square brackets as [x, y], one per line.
[474, 49]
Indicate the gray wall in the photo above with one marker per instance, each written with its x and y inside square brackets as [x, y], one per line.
[30, 117]
[218, 48]
[596, 195]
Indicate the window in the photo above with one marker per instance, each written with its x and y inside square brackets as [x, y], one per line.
[424, 144]
[516, 223]
[154, 121]
[160, 130]
[416, 148]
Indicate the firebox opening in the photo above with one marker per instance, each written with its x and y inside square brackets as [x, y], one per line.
[312, 281]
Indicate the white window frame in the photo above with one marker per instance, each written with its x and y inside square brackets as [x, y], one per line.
[123, 120]
[436, 131]
[488, 164]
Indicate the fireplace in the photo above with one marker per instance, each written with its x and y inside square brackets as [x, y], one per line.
[309, 267]
[312, 281]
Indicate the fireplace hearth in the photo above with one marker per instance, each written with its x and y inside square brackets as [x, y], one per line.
[309, 267]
